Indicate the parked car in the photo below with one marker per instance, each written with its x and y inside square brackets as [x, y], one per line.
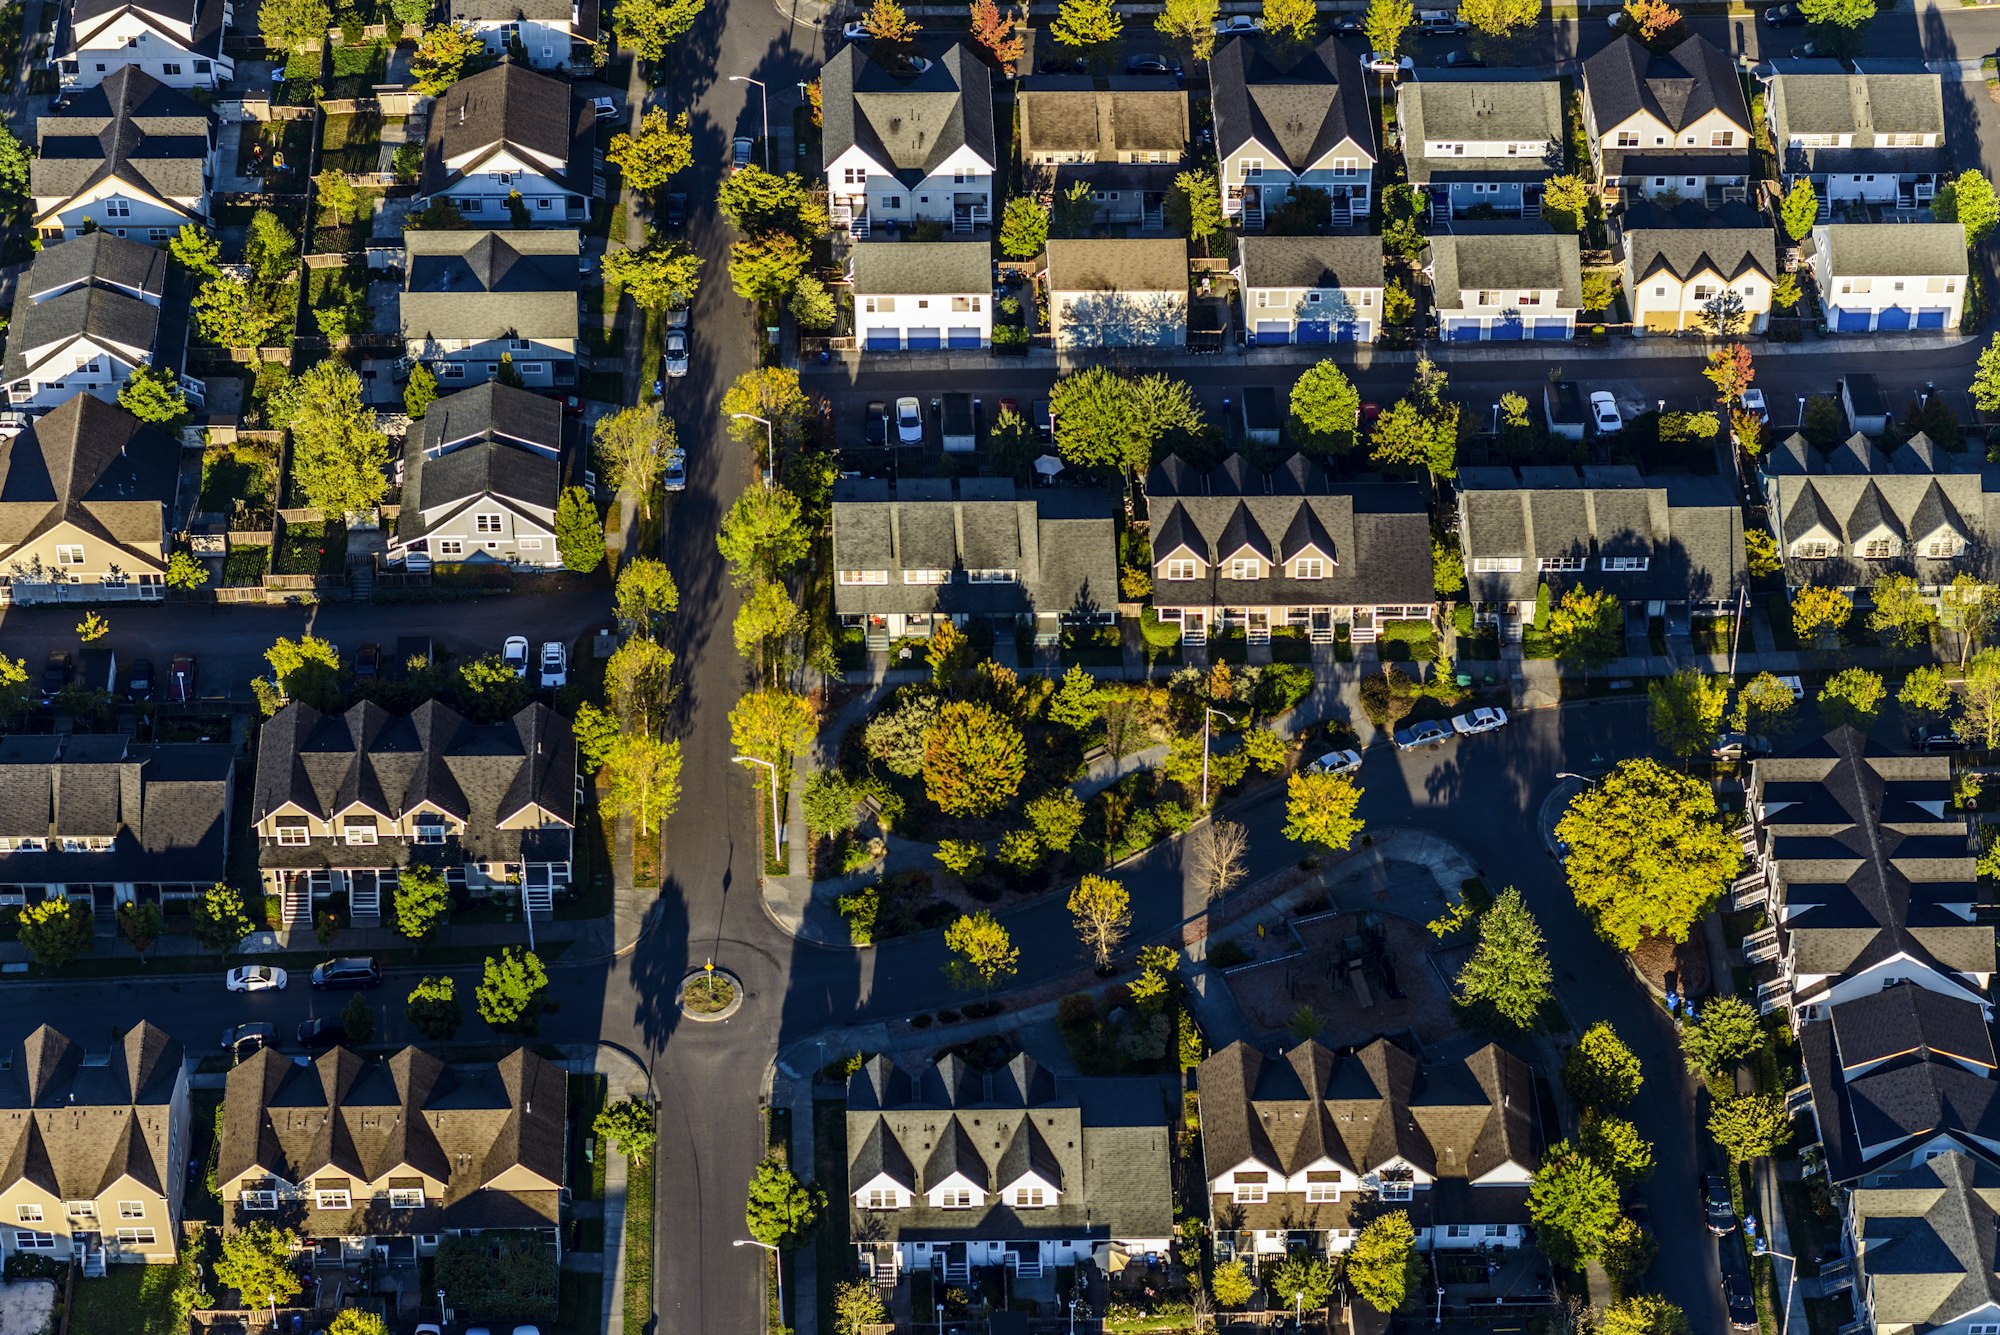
[139, 680]
[907, 65]
[1347, 25]
[1429, 733]
[1389, 66]
[1785, 16]
[1937, 737]
[875, 424]
[1463, 60]
[322, 1033]
[57, 673]
[856, 31]
[1237, 24]
[368, 662]
[739, 153]
[1148, 63]
[355, 971]
[1062, 65]
[909, 422]
[256, 978]
[1604, 413]
[1486, 718]
[604, 108]
[1439, 23]
[676, 476]
[1753, 403]
[1716, 1205]
[1336, 762]
[555, 665]
[514, 653]
[677, 315]
[677, 212]
[180, 679]
[1739, 746]
[1805, 51]
[255, 1036]
[1045, 422]
[1736, 1293]
[675, 354]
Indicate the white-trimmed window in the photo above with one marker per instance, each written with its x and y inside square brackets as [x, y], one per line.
[529, 544]
[337, 1199]
[258, 1200]
[406, 1198]
[1309, 567]
[993, 576]
[131, 1209]
[358, 830]
[1458, 1230]
[1397, 1186]
[882, 1198]
[1496, 565]
[1251, 1188]
[430, 830]
[1626, 562]
[486, 523]
[451, 547]
[138, 1237]
[69, 554]
[1815, 551]
[926, 577]
[1560, 564]
[1179, 569]
[1940, 548]
[27, 1240]
[958, 1198]
[1028, 1198]
[117, 208]
[864, 577]
[28, 1214]
[1322, 1187]
[1877, 549]
[451, 370]
[80, 1209]
[1252, 168]
[292, 832]
[1246, 568]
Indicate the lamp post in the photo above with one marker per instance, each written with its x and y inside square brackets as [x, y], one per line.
[764, 99]
[770, 443]
[444, 1316]
[1791, 1281]
[1580, 778]
[777, 1263]
[1072, 1316]
[1205, 712]
[777, 829]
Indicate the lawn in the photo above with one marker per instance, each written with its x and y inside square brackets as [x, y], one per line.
[237, 476]
[131, 1300]
[276, 151]
[354, 143]
[357, 69]
[580, 1304]
[638, 1251]
[246, 564]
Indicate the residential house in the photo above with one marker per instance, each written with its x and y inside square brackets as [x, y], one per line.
[131, 156]
[1894, 277]
[935, 550]
[1667, 546]
[344, 801]
[1111, 293]
[922, 295]
[1504, 281]
[483, 472]
[958, 1169]
[106, 821]
[1122, 143]
[544, 34]
[86, 314]
[1304, 1147]
[178, 42]
[473, 301]
[508, 143]
[95, 1147]
[1922, 1250]
[1672, 125]
[1309, 289]
[1866, 873]
[900, 150]
[1870, 134]
[1846, 517]
[386, 1155]
[1692, 268]
[1480, 138]
[86, 491]
[1289, 121]
[1235, 549]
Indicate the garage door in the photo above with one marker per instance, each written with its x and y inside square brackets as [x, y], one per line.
[1551, 329]
[1852, 322]
[879, 342]
[927, 339]
[1507, 327]
[1273, 333]
[1315, 331]
[962, 338]
[1462, 331]
[1930, 319]
[1350, 331]
[1893, 318]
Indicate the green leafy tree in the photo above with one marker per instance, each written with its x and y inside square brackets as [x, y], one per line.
[185, 571]
[1566, 202]
[1302, 1281]
[420, 391]
[294, 25]
[1194, 205]
[1986, 378]
[1966, 609]
[1750, 1126]
[1585, 626]
[631, 447]
[651, 28]
[307, 669]
[432, 1008]
[771, 725]
[422, 900]
[1320, 809]
[1079, 701]
[1385, 23]
[1292, 21]
[646, 595]
[1101, 910]
[857, 1304]
[1108, 420]
[830, 803]
[1326, 409]
[353, 1321]
[974, 759]
[1421, 429]
[767, 616]
[963, 858]
[195, 249]
[763, 536]
[628, 1125]
[227, 314]
[1758, 545]
[756, 201]
[1642, 1314]
[1600, 1072]
[1382, 1264]
[1231, 1284]
[488, 690]
[1925, 693]
[13, 165]
[643, 775]
[657, 277]
[256, 1258]
[1686, 710]
[1819, 610]
[1500, 19]
[271, 250]
[1615, 1145]
[218, 920]
[1801, 205]
[1626, 1253]
[1056, 818]
[141, 924]
[888, 21]
[510, 992]
[767, 267]
[982, 952]
[1648, 854]
[1447, 565]
[1508, 969]
[1600, 286]
[1726, 1033]
[1574, 1206]
[357, 1020]
[782, 1211]
[812, 306]
[1024, 227]
[1901, 609]
[1852, 696]
[1979, 701]
[339, 458]
[579, 531]
[1192, 24]
[662, 149]
[1765, 705]
[1969, 200]
[153, 395]
[1088, 23]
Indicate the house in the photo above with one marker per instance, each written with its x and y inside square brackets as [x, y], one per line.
[979, 548]
[1890, 276]
[1920, 1250]
[178, 42]
[1692, 268]
[131, 156]
[959, 1169]
[86, 314]
[386, 1155]
[922, 295]
[1898, 1075]
[1303, 1148]
[1668, 546]
[1239, 550]
[1286, 122]
[1867, 877]
[483, 472]
[86, 491]
[508, 143]
[900, 150]
[107, 821]
[1871, 134]
[1122, 143]
[1112, 293]
[544, 34]
[1487, 138]
[473, 302]
[1846, 517]
[1492, 281]
[95, 1147]
[1309, 289]
[344, 801]
[1673, 125]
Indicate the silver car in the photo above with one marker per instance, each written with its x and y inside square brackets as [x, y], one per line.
[1336, 762]
[675, 355]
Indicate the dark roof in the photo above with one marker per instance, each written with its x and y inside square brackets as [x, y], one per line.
[1732, 240]
[1505, 256]
[94, 465]
[1115, 264]
[921, 268]
[194, 25]
[1819, 98]
[103, 287]
[1927, 1243]
[1892, 250]
[1299, 106]
[581, 16]
[132, 128]
[100, 260]
[1127, 116]
[1480, 106]
[510, 108]
[474, 285]
[908, 126]
[1309, 261]
[75, 1123]
[164, 806]
[492, 441]
[1677, 89]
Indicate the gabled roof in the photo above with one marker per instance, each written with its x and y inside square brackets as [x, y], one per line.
[512, 109]
[1677, 88]
[1126, 116]
[476, 445]
[1505, 257]
[580, 16]
[99, 260]
[1912, 490]
[474, 285]
[1731, 241]
[921, 268]
[1893, 250]
[1109, 264]
[1482, 106]
[1329, 262]
[91, 464]
[907, 126]
[163, 806]
[1821, 98]
[195, 26]
[1927, 1242]
[1299, 106]
[74, 1124]
[131, 128]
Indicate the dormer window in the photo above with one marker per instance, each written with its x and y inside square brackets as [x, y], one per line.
[1322, 1187]
[406, 1198]
[1943, 546]
[958, 1198]
[332, 1200]
[1028, 1198]
[1245, 567]
[1877, 549]
[1252, 1188]
[1179, 569]
[1397, 1185]
[430, 829]
[882, 1198]
[258, 1200]
[1816, 550]
[1309, 567]
[358, 830]
[292, 832]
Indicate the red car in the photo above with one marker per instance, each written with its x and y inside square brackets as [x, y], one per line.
[180, 679]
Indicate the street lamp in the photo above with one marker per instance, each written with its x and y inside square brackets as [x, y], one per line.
[777, 1262]
[770, 443]
[1072, 1316]
[777, 830]
[1205, 712]
[764, 98]
[1580, 778]
[1791, 1281]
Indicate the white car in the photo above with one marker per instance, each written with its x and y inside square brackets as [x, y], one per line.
[515, 654]
[1753, 403]
[676, 353]
[1336, 762]
[555, 665]
[856, 31]
[1428, 733]
[909, 422]
[604, 108]
[1482, 719]
[1390, 65]
[1604, 413]
[255, 978]
[1237, 24]
[676, 477]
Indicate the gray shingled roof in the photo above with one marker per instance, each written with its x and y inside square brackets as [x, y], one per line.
[75, 1124]
[164, 806]
[1509, 256]
[918, 268]
[477, 285]
[1866, 105]
[101, 259]
[909, 126]
[468, 447]
[1300, 106]
[581, 15]
[1309, 261]
[94, 465]
[1678, 89]
[510, 107]
[46, 329]
[201, 20]
[1137, 264]
[132, 128]
[1733, 240]
[1928, 1241]
[1482, 106]
[1893, 250]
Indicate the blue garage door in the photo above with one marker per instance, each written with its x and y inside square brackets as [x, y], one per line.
[1462, 331]
[962, 338]
[1551, 329]
[1930, 319]
[1507, 327]
[1893, 318]
[1350, 331]
[1315, 331]
[1852, 322]
[926, 339]
[1273, 333]
[879, 342]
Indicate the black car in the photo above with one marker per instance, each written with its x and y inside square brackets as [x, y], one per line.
[1061, 65]
[368, 662]
[677, 212]
[1784, 16]
[1739, 746]
[1151, 64]
[317, 1034]
[1463, 60]
[244, 1039]
[1717, 1206]
[1347, 25]
[1937, 737]
[356, 971]
[57, 673]
[1742, 1312]
[139, 680]
[875, 429]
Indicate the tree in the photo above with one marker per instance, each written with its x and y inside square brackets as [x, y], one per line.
[1584, 626]
[185, 571]
[1508, 970]
[1727, 1033]
[218, 919]
[1925, 693]
[1966, 608]
[1319, 808]
[1086, 23]
[1979, 701]
[772, 393]
[1801, 205]
[13, 165]
[1750, 1126]
[887, 21]
[771, 725]
[354, 1321]
[1231, 1284]
[768, 614]
[1108, 420]
[1901, 609]
[631, 447]
[1986, 378]
[1291, 20]
[1078, 701]
[339, 457]
[1818, 609]
[638, 683]
[153, 395]
[1615, 1145]
[974, 759]
[227, 314]
[1421, 429]
[1642, 1314]
[1851, 696]
[579, 531]
[357, 1020]
[1647, 853]
[1730, 370]
[650, 28]
[1302, 1281]
[1566, 202]
[1600, 1072]
[1686, 710]
[92, 628]
[256, 1257]
[1382, 1263]
[657, 277]
[628, 1125]
[644, 779]
[141, 924]
[767, 267]
[1219, 858]
[488, 689]
[1651, 18]
[1326, 408]
[1574, 1206]
[857, 1304]
[294, 25]
[1385, 23]
[432, 1008]
[1764, 704]
[763, 536]
[1024, 227]
[1194, 205]
[510, 991]
[195, 249]
[1056, 818]
[1970, 201]
[781, 1210]
[305, 669]
[1191, 23]
[1500, 18]
[271, 251]
[420, 391]
[646, 595]
[756, 201]
[1102, 912]
[982, 952]
[812, 306]
[999, 31]
[422, 900]
[662, 149]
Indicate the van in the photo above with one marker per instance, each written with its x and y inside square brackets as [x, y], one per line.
[1439, 23]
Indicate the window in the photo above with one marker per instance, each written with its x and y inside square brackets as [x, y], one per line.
[926, 577]
[530, 544]
[1496, 565]
[1181, 569]
[519, 344]
[544, 204]
[332, 1200]
[406, 1198]
[880, 1199]
[855, 176]
[486, 523]
[1624, 562]
[1904, 140]
[959, 1198]
[1248, 568]
[1309, 567]
[80, 1209]
[1877, 549]
[140, 1237]
[430, 830]
[1939, 548]
[1028, 1198]
[1252, 167]
[451, 371]
[961, 178]
[117, 208]
[69, 555]
[28, 1214]
[452, 547]
[27, 1241]
[1814, 551]
[1252, 1188]
[1531, 299]
[1322, 1186]
[131, 1209]
[1562, 564]
[359, 830]
[993, 576]
[1722, 139]
[1397, 1186]
[1627, 139]
[292, 832]
[965, 303]
[892, 201]
[258, 1200]
[1345, 167]
[864, 577]
[880, 305]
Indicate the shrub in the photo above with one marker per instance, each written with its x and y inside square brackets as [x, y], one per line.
[1227, 955]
